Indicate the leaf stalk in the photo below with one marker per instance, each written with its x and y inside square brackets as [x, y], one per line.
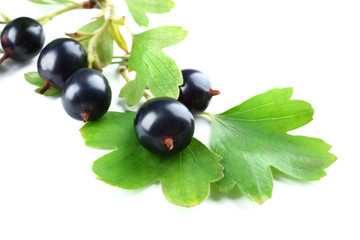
[125, 74]
[48, 17]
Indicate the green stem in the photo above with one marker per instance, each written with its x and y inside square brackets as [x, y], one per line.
[98, 33]
[93, 41]
[127, 28]
[72, 6]
[148, 96]
[122, 57]
[125, 74]
[121, 63]
[124, 61]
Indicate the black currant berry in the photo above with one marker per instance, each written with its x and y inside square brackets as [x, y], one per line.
[22, 39]
[58, 60]
[196, 92]
[164, 126]
[86, 95]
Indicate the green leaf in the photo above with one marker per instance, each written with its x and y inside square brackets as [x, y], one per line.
[185, 177]
[253, 136]
[154, 69]
[104, 47]
[118, 38]
[35, 79]
[139, 8]
[133, 91]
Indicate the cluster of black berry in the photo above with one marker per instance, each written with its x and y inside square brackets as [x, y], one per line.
[166, 126]
[86, 94]
[162, 125]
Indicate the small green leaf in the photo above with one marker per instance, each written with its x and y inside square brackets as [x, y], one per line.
[133, 91]
[154, 69]
[118, 38]
[185, 177]
[252, 136]
[139, 8]
[35, 79]
[104, 47]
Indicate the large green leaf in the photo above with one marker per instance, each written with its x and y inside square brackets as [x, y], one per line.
[139, 8]
[185, 177]
[154, 69]
[104, 46]
[252, 136]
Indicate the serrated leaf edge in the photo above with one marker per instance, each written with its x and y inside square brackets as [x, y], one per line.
[159, 179]
[215, 117]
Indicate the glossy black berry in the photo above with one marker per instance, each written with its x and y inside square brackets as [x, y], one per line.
[22, 39]
[86, 95]
[164, 126]
[58, 60]
[196, 91]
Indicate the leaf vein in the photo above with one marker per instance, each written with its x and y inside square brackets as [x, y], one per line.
[250, 109]
[265, 119]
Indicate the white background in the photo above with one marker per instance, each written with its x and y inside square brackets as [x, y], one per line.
[47, 188]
